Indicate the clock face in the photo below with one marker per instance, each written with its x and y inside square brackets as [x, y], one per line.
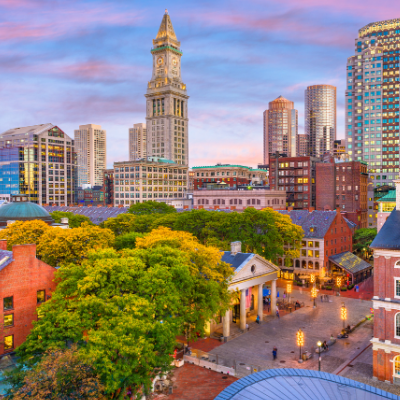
[174, 62]
[160, 61]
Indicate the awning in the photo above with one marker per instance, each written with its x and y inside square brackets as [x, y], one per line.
[350, 262]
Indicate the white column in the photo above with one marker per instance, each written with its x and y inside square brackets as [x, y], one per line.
[243, 309]
[273, 297]
[226, 325]
[260, 311]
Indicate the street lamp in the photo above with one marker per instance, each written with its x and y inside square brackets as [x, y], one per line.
[312, 278]
[300, 341]
[289, 290]
[343, 314]
[339, 283]
[319, 344]
[314, 294]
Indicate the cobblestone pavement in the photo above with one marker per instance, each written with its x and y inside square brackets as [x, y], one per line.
[255, 347]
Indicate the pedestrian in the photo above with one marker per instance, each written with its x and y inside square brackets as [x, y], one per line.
[322, 298]
[258, 319]
[277, 312]
[274, 353]
[268, 305]
[247, 327]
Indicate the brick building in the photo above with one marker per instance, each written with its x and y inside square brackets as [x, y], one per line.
[108, 186]
[343, 185]
[326, 233]
[93, 196]
[302, 145]
[232, 175]
[296, 176]
[386, 300]
[25, 283]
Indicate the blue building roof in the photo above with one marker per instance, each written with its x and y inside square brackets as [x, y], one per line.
[6, 257]
[389, 235]
[299, 384]
[237, 261]
[20, 210]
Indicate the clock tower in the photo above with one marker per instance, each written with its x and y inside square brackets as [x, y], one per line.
[166, 99]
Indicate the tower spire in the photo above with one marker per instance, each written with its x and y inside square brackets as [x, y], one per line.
[166, 33]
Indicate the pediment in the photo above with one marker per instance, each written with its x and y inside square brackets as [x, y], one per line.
[253, 268]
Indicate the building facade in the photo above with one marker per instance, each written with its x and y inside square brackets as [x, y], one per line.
[90, 146]
[108, 186]
[151, 179]
[295, 176]
[302, 145]
[25, 284]
[239, 199]
[372, 100]
[40, 162]
[320, 118]
[231, 175]
[91, 196]
[280, 128]
[137, 142]
[167, 120]
[386, 299]
[343, 185]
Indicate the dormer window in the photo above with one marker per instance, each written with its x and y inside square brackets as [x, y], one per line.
[312, 229]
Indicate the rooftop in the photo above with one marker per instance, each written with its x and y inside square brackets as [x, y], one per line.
[34, 129]
[389, 235]
[389, 197]
[238, 260]
[350, 262]
[229, 166]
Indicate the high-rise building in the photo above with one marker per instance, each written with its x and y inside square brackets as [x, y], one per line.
[372, 100]
[38, 161]
[90, 146]
[320, 118]
[137, 142]
[302, 145]
[166, 99]
[280, 128]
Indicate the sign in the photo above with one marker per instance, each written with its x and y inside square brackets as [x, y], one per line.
[266, 292]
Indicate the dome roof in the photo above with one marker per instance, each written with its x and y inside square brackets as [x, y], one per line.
[281, 99]
[23, 211]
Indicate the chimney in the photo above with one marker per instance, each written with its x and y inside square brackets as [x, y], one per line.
[3, 244]
[397, 183]
[64, 221]
[236, 247]
[311, 209]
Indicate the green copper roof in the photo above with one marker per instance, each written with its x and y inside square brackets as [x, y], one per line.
[224, 166]
[23, 210]
[166, 47]
[390, 196]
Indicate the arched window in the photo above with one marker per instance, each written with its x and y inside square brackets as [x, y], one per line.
[396, 365]
[397, 325]
[397, 264]
[310, 265]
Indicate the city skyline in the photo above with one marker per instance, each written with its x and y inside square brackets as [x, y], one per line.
[105, 49]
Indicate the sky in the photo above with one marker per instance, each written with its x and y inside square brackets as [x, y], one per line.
[77, 62]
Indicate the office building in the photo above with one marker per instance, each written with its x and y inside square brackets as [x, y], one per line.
[372, 100]
[320, 118]
[167, 99]
[137, 142]
[38, 161]
[149, 179]
[90, 145]
[280, 128]
[302, 145]
[108, 186]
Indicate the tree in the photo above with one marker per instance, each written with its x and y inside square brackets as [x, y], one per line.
[127, 241]
[151, 207]
[121, 224]
[60, 246]
[27, 232]
[74, 220]
[126, 308]
[60, 375]
[362, 240]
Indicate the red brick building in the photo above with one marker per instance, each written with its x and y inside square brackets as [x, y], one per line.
[386, 300]
[25, 283]
[108, 187]
[296, 176]
[231, 175]
[343, 185]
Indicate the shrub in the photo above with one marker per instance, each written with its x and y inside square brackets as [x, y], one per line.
[343, 289]
[328, 287]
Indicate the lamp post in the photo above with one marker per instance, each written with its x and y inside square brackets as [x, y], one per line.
[343, 314]
[289, 290]
[339, 283]
[314, 294]
[300, 341]
[312, 278]
[319, 344]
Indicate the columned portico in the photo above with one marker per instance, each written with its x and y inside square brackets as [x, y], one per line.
[273, 296]
[226, 325]
[260, 308]
[243, 309]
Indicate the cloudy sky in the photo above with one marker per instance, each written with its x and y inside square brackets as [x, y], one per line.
[73, 62]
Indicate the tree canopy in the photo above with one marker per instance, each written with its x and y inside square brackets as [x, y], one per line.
[74, 220]
[125, 309]
[362, 240]
[151, 207]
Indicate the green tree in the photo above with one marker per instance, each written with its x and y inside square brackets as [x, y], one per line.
[121, 224]
[362, 239]
[128, 307]
[127, 241]
[74, 220]
[151, 207]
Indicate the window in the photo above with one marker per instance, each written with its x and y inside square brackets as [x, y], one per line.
[8, 320]
[397, 288]
[8, 303]
[8, 342]
[396, 363]
[41, 296]
[310, 244]
[397, 327]
[310, 253]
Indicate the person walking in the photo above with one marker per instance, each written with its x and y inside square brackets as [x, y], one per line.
[268, 305]
[322, 298]
[274, 353]
[277, 312]
[258, 319]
